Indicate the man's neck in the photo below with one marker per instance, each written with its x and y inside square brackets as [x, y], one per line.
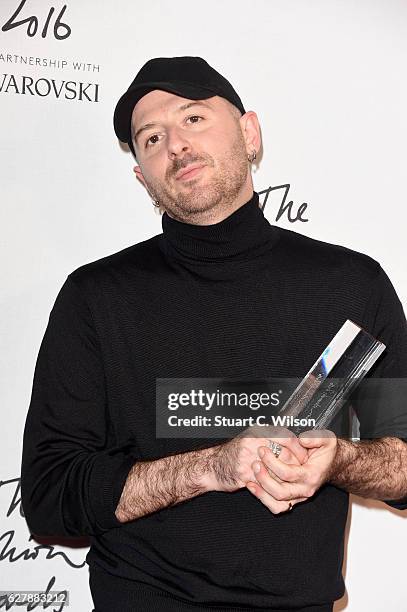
[219, 212]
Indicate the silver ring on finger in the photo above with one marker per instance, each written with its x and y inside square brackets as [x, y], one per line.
[275, 448]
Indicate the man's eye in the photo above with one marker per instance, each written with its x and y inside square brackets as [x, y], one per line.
[194, 117]
[148, 139]
[149, 142]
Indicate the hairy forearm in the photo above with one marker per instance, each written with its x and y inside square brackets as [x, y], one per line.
[153, 485]
[375, 469]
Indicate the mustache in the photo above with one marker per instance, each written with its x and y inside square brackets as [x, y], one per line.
[186, 161]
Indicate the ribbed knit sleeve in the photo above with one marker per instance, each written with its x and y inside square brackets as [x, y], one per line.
[389, 325]
[381, 405]
[72, 475]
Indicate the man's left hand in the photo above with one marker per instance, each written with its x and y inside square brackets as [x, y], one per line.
[280, 486]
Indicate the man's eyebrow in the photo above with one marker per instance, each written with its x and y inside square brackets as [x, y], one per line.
[179, 109]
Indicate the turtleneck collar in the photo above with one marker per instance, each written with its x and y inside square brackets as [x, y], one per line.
[244, 235]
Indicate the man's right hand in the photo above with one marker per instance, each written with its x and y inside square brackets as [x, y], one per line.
[231, 463]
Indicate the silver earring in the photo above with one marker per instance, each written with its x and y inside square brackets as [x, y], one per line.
[252, 156]
[156, 203]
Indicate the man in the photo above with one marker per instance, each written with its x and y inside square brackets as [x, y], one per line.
[257, 521]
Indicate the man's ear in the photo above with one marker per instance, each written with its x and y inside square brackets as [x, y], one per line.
[250, 127]
[137, 171]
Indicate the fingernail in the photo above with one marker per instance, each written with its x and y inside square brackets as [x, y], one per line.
[256, 467]
[261, 452]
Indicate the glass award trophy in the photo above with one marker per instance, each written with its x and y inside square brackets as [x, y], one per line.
[335, 374]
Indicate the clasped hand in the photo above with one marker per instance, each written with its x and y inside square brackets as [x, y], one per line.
[297, 473]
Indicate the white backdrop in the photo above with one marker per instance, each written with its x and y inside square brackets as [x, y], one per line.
[327, 80]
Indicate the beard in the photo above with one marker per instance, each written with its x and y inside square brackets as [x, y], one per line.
[201, 195]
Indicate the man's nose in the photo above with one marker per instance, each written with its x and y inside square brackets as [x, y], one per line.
[177, 142]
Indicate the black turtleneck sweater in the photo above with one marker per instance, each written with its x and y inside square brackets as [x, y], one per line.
[239, 298]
